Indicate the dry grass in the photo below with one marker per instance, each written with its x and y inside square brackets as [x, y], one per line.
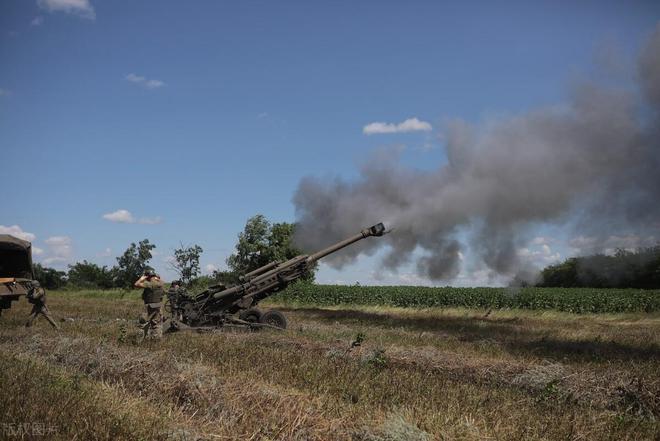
[410, 375]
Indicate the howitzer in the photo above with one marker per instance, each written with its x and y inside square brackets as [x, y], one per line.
[220, 305]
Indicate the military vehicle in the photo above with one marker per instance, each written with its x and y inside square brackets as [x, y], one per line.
[220, 306]
[16, 275]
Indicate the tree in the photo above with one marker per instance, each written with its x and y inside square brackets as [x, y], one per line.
[132, 264]
[261, 243]
[186, 262]
[226, 278]
[49, 278]
[89, 275]
[252, 247]
[624, 269]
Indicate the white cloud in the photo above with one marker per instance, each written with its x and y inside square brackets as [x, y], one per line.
[60, 249]
[553, 257]
[17, 231]
[135, 78]
[539, 254]
[540, 240]
[126, 217]
[37, 251]
[37, 21]
[81, 8]
[409, 125]
[144, 82]
[208, 269]
[153, 84]
[121, 216]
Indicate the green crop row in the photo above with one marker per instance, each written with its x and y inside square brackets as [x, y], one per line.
[576, 300]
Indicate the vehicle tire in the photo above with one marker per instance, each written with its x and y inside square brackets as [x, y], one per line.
[252, 315]
[273, 318]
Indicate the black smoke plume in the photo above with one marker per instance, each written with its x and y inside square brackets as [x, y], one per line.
[596, 159]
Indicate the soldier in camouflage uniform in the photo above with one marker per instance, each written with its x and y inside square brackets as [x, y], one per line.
[152, 297]
[173, 294]
[37, 296]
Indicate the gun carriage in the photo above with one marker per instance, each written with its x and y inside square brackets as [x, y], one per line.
[237, 305]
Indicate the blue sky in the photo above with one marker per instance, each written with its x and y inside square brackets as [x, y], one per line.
[194, 116]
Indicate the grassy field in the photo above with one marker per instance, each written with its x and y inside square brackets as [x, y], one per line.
[345, 373]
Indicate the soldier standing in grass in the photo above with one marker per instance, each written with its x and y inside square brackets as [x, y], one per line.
[37, 296]
[152, 297]
[175, 292]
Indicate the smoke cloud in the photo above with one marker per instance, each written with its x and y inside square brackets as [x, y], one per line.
[596, 159]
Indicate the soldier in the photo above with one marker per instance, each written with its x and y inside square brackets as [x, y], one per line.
[152, 297]
[37, 296]
[173, 295]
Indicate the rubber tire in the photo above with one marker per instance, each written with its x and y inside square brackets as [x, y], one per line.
[252, 315]
[274, 318]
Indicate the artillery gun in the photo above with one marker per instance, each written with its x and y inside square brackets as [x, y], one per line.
[220, 305]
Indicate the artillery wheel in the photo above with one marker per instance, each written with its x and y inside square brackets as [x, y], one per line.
[252, 315]
[274, 318]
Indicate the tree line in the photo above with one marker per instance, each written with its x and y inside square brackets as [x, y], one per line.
[625, 269]
[259, 243]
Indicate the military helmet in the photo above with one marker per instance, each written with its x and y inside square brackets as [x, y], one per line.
[149, 272]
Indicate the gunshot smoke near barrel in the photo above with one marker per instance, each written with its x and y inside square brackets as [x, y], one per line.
[593, 161]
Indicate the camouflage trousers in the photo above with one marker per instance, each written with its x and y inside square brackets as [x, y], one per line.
[153, 328]
[40, 308]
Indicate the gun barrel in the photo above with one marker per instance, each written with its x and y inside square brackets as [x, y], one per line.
[260, 270]
[265, 278]
[376, 230]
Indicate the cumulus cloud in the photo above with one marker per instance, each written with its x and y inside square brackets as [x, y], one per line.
[120, 216]
[17, 231]
[60, 249]
[81, 8]
[209, 268]
[409, 125]
[123, 216]
[143, 81]
[539, 252]
[541, 240]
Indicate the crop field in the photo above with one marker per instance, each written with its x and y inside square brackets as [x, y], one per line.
[576, 300]
[358, 372]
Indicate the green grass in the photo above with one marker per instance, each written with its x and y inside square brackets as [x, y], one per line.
[575, 300]
[440, 373]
